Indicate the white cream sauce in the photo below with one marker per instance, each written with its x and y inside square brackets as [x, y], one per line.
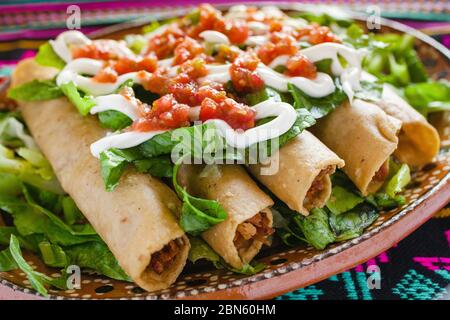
[116, 102]
[73, 70]
[284, 114]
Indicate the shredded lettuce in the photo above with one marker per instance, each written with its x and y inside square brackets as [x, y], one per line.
[197, 214]
[342, 200]
[84, 103]
[428, 97]
[318, 107]
[36, 90]
[114, 120]
[46, 56]
[351, 224]
[200, 250]
[37, 280]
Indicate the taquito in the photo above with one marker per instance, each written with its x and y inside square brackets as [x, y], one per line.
[302, 180]
[137, 220]
[365, 137]
[240, 237]
[418, 140]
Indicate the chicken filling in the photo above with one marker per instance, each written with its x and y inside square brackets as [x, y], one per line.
[257, 228]
[317, 187]
[163, 259]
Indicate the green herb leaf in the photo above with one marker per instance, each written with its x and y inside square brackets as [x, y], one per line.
[36, 90]
[46, 56]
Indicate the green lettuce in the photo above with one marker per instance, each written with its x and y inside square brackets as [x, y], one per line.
[84, 103]
[428, 97]
[36, 90]
[200, 250]
[342, 200]
[197, 214]
[318, 107]
[114, 120]
[351, 224]
[46, 56]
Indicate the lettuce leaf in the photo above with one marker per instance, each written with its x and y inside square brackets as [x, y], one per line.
[342, 200]
[46, 56]
[36, 90]
[351, 224]
[428, 97]
[113, 165]
[84, 103]
[318, 107]
[398, 181]
[161, 166]
[37, 280]
[200, 250]
[197, 214]
[316, 229]
[114, 120]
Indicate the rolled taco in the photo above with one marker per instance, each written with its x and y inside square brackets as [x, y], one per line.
[240, 237]
[137, 220]
[302, 180]
[365, 137]
[418, 140]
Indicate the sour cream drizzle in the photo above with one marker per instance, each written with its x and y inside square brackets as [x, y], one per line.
[72, 71]
[121, 141]
[116, 102]
[321, 86]
[284, 114]
[61, 45]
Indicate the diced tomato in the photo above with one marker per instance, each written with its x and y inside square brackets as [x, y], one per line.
[237, 115]
[299, 65]
[184, 91]
[236, 30]
[107, 74]
[194, 68]
[186, 50]
[316, 34]
[275, 26]
[166, 113]
[226, 53]
[279, 44]
[208, 17]
[243, 74]
[155, 82]
[125, 65]
[91, 51]
[164, 44]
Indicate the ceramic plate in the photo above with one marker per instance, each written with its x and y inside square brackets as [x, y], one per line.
[287, 268]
